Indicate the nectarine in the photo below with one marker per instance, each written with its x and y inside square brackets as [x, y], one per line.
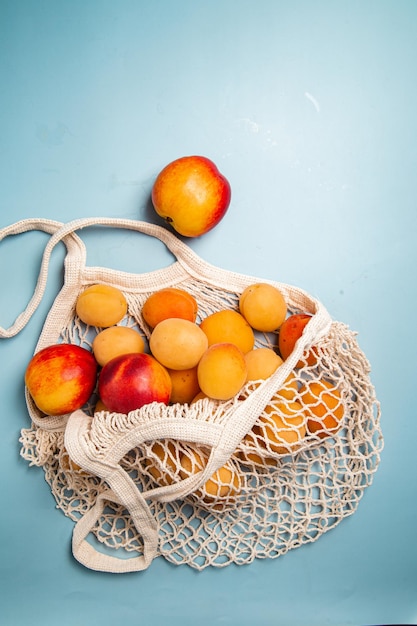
[290, 332]
[192, 195]
[61, 378]
[130, 381]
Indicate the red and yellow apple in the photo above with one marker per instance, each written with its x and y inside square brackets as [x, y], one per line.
[61, 378]
[290, 332]
[191, 195]
[130, 381]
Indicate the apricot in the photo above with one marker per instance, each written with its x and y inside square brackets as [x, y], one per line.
[263, 458]
[323, 405]
[115, 341]
[101, 305]
[289, 389]
[261, 363]
[222, 371]
[169, 302]
[199, 396]
[263, 306]
[290, 332]
[100, 406]
[184, 385]
[165, 462]
[177, 343]
[282, 424]
[224, 482]
[228, 326]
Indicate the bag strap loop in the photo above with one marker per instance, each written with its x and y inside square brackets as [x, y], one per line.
[76, 252]
[75, 249]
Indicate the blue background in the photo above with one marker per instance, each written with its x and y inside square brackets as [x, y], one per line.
[309, 109]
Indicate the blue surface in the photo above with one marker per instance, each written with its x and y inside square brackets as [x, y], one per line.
[309, 109]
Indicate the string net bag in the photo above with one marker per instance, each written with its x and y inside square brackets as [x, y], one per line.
[211, 482]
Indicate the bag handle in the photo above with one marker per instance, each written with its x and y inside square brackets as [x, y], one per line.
[89, 556]
[123, 491]
[75, 248]
[76, 253]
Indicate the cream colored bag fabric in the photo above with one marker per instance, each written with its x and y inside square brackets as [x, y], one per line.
[120, 477]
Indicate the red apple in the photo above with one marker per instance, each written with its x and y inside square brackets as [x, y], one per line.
[61, 378]
[289, 333]
[129, 381]
[191, 195]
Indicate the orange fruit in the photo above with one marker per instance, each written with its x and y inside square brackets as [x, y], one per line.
[225, 481]
[323, 405]
[290, 332]
[222, 371]
[165, 453]
[177, 343]
[184, 385]
[263, 306]
[282, 424]
[228, 326]
[169, 302]
[261, 363]
[101, 305]
[116, 340]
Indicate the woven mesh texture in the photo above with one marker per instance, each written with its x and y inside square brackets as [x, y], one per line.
[267, 499]
[210, 483]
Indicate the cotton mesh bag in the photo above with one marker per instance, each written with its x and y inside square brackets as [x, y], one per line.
[211, 482]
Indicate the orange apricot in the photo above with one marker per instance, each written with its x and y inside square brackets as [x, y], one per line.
[254, 439]
[222, 371]
[261, 363]
[177, 343]
[263, 306]
[282, 424]
[169, 302]
[323, 405]
[225, 481]
[199, 396]
[116, 340]
[289, 389]
[228, 326]
[100, 406]
[164, 463]
[185, 385]
[101, 305]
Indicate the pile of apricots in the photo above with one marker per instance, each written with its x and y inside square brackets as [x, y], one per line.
[185, 360]
[188, 360]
